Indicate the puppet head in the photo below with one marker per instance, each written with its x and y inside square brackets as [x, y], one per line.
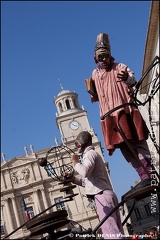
[103, 51]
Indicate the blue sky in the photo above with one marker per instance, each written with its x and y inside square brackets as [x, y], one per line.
[43, 41]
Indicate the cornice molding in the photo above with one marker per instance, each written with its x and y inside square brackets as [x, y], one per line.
[151, 34]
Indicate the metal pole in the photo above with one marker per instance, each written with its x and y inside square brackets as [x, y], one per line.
[129, 145]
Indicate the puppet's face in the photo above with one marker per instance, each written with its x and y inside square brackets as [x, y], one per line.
[103, 57]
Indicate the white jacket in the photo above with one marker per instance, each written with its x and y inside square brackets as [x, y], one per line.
[93, 173]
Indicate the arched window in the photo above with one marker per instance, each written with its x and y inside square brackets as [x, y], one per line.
[60, 107]
[68, 104]
[137, 213]
[75, 103]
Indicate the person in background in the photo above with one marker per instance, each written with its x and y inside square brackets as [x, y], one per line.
[135, 236]
[93, 176]
[114, 84]
[154, 232]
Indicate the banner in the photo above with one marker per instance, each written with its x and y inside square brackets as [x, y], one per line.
[25, 209]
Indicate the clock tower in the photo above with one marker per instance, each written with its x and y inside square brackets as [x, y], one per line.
[70, 117]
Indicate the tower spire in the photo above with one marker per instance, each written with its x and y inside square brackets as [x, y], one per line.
[3, 156]
[60, 85]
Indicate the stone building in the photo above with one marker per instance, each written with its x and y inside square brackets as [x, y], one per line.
[151, 82]
[23, 176]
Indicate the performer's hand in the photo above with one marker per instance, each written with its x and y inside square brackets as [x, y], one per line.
[68, 176]
[94, 98]
[75, 159]
[72, 179]
[123, 75]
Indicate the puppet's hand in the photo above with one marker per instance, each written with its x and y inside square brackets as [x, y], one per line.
[72, 179]
[94, 98]
[123, 75]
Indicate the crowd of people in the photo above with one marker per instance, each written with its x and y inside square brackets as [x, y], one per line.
[152, 233]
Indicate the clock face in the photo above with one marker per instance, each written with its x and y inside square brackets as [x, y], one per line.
[74, 125]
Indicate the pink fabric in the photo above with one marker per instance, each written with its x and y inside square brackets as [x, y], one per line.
[112, 227]
[112, 93]
[131, 124]
[115, 91]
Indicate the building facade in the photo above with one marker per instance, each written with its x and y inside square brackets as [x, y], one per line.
[23, 178]
[146, 211]
[150, 84]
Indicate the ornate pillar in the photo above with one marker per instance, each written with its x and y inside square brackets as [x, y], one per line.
[9, 218]
[15, 211]
[44, 200]
[37, 202]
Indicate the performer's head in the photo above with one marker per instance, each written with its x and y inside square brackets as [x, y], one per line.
[83, 140]
[103, 51]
